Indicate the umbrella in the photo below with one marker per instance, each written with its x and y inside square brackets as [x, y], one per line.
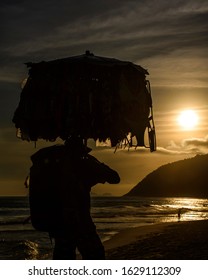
[87, 96]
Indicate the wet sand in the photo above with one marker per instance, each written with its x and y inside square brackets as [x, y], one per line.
[167, 241]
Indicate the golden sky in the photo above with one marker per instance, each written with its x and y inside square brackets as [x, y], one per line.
[169, 38]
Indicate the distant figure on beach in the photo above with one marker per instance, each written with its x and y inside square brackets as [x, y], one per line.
[79, 171]
[179, 214]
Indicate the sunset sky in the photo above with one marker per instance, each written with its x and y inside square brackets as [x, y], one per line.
[168, 38]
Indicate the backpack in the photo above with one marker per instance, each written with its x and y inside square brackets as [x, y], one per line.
[43, 181]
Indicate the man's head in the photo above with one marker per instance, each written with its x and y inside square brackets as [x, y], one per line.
[76, 145]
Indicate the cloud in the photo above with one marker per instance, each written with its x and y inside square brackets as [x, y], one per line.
[196, 142]
[173, 33]
[131, 29]
[189, 146]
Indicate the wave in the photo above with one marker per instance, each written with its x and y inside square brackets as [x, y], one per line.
[111, 215]
[24, 249]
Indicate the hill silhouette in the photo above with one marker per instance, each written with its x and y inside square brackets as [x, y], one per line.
[184, 178]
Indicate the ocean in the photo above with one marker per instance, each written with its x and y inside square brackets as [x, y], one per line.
[18, 239]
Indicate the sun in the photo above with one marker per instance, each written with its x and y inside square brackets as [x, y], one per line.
[188, 119]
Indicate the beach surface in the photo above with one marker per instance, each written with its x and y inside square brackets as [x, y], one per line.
[184, 240]
[166, 241]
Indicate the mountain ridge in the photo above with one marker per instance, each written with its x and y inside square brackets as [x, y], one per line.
[183, 178]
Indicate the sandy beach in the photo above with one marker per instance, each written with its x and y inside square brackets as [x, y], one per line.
[167, 241]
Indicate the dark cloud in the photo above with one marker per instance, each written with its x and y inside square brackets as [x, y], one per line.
[132, 30]
[34, 19]
[47, 24]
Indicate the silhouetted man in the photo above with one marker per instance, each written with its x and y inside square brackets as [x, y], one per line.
[78, 172]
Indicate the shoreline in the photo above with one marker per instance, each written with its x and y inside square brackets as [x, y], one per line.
[130, 235]
[184, 240]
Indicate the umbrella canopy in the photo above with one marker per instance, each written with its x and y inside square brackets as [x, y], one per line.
[87, 96]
